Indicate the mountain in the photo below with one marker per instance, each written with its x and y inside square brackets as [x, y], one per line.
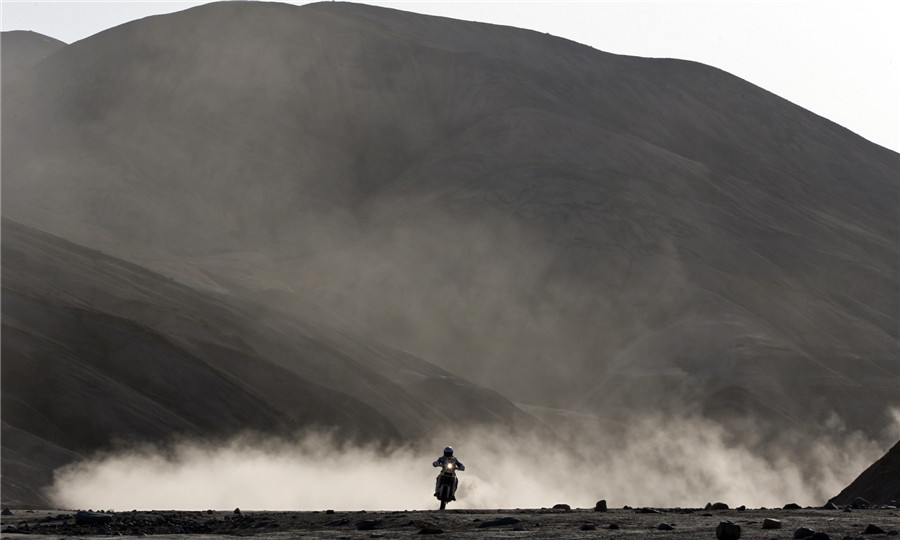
[23, 48]
[97, 350]
[879, 484]
[567, 228]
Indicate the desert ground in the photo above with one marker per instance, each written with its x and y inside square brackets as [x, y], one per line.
[513, 523]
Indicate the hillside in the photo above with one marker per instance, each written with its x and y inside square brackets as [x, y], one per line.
[879, 484]
[564, 227]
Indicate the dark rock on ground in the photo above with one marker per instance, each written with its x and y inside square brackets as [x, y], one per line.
[830, 506]
[565, 507]
[455, 523]
[719, 506]
[874, 529]
[8, 512]
[727, 530]
[792, 506]
[803, 532]
[770, 523]
[431, 530]
[860, 504]
[600, 506]
[665, 527]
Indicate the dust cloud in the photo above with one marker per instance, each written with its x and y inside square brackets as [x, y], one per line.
[653, 462]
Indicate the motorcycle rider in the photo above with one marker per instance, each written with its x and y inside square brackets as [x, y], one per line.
[457, 464]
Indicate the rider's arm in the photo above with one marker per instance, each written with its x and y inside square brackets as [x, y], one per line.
[460, 466]
[437, 463]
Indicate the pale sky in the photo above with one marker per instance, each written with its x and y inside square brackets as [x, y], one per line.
[839, 59]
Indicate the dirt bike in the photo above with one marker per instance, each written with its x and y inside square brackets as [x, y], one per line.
[446, 490]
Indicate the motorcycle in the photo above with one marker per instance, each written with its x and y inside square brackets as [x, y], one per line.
[446, 490]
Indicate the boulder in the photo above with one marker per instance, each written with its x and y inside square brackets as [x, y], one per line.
[565, 507]
[860, 504]
[874, 529]
[803, 532]
[727, 530]
[792, 506]
[664, 527]
[601, 506]
[719, 506]
[770, 523]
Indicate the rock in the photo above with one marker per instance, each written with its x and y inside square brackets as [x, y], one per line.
[803, 532]
[741, 508]
[829, 506]
[329, 511]
[727, 530]
[431, 530]
[770, 523]
[792, 506]
[565, 507]
[860, 504]
[600, 506]
[237, 511]
[718, 506]
[820, 536]
[664, 527]
[588, 527]
[7, 512]
[92, 518]
[874, 529]
[499, 522]
[613, 526]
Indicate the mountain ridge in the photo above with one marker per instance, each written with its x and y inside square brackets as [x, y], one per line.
[563, 226]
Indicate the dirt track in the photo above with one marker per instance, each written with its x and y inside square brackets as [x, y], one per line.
[543, 523]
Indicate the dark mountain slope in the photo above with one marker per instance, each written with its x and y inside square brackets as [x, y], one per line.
[97, 351]
[879, 484]
[567, 227]
[22, 48]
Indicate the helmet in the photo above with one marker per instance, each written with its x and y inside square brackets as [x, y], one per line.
[448, 452]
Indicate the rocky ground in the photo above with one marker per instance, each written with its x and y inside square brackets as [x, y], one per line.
[520, 523]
